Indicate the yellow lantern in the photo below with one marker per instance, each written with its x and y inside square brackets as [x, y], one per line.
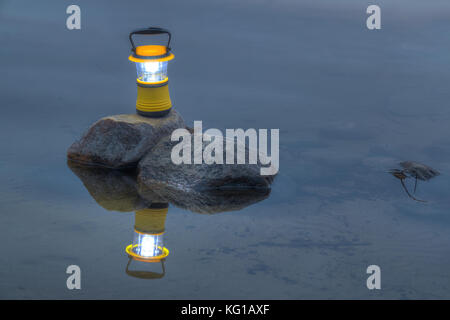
[153, 99]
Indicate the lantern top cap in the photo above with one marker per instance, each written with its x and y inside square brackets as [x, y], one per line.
[151, 53]
[147, 53]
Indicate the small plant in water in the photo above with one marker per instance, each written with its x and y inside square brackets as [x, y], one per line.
[416, 171]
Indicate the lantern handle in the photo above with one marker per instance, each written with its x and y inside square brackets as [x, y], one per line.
[149, 31]
[145, 274]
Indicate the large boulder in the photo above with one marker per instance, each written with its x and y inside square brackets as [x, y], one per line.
[157, 169]
[120, 141]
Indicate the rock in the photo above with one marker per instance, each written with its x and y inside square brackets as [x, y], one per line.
[117, 190]
[157, 169]
[120, 141]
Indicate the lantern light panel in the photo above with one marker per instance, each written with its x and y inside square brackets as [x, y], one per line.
[151, 71]
[148, 245]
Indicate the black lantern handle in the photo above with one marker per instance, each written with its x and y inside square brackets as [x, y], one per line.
[149, 31]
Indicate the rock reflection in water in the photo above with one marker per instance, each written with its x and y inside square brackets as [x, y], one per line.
[119, 191]
[205, 202]
[112, 189]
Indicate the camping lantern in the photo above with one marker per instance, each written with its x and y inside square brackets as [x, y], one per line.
[148, 244]
[153, 98]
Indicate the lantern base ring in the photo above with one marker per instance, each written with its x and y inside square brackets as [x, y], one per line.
[132, 254]
[156, 114]
[155, 84]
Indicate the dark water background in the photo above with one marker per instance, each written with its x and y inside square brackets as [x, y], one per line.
[349, 104]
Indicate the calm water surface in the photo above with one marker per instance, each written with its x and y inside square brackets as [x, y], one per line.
[350, 103]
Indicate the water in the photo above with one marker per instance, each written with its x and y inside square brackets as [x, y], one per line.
[350, 103]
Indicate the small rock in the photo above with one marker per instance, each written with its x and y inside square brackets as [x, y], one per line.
[120, 141]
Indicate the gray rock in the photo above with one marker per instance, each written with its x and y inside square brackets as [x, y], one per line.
[157, 169]
[120, 141]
